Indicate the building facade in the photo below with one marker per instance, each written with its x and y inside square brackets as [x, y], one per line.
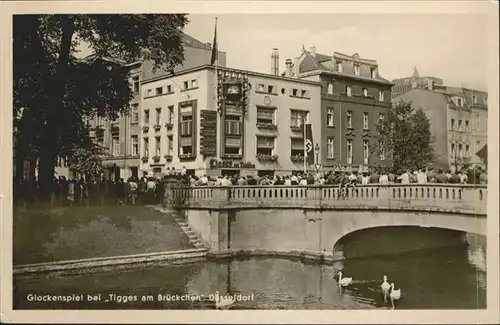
[220, 121]
[458, 118]
[354, 97]
[122, 137]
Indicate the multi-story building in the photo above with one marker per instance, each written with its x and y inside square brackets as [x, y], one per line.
[458, 118]
[122, 137]
[354, 97]
[225, 121]
[402, 85]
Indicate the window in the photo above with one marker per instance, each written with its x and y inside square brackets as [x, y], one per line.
[453, 150]
[477, 121]
[135, 113]
[339, 67]
[149, 92]
[135, 81]
[265, 145]
[349, 119]
[478, 145]
[115, 145]
[467, 154]
[186, 85]
[460, 153]
[233, 146]
[158, 116]
[146, 116]
[260, 87]
[194, 83]
[295, 92]
[170, 150]
[304, 93]
[186, 145]
[356, 70]
[373, 73]
[159, 90]
[270, 89]
[265, 115]
[380, 96]
[348, 91]
[135, 145]
[146, 147]
[329, 116]
[365, 121]
[349, 151]
[330, 147]
[297, 147]
[381, 150]
[298, 118]
[171, 114]
[366, 152]
[474, 99]
[459, 125]
[486, 100]
[186, 124]
[459, 102]
[329, 88]
[233, 124]
[381, 117]
[169, 89]
[365, 92]
[453, 124]
[466, 125]
[158, 146]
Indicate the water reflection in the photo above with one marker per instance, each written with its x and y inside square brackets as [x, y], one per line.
[442, 279]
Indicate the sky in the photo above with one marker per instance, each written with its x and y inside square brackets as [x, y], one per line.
[453, 47]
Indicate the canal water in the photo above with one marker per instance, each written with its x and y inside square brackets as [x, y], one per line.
[446, 278]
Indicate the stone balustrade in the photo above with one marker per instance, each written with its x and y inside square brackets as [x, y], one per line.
[453, 198]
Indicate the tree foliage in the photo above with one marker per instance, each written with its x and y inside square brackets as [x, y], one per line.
[55, 88]
[405, 133]
[87, 161]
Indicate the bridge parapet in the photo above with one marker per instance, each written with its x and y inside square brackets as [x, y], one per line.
[464, 199]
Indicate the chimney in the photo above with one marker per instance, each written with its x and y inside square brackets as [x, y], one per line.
[288, 70]
[275, 62]
[312, 50]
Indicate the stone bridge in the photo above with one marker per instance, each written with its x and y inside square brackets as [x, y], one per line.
[311, 221]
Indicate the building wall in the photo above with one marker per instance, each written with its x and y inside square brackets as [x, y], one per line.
[358, 105]
[434, 105]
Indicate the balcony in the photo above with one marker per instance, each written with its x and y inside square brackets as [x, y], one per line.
[157, 127]
[296, 128]
[267, 126]
[168, 157]
[264, 157]
[297, 159]
[169, 125]
[145, 128]
[232, 156]
[187, 156]
[156, 158]
[145, 159]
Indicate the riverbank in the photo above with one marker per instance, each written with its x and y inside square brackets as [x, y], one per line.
[74, 233]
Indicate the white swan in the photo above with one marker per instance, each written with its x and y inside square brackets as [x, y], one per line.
[223, 302]
[385, 286]
[395, 294]
[344, 281]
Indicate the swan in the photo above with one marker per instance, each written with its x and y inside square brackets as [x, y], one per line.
[385, 286]
[344, 281]
[223, 302]
[395, 294]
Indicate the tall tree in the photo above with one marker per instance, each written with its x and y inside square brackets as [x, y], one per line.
[55, 88]
[405, 134]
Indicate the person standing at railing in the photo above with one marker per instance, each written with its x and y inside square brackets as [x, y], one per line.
[374, 177]
[421, 177]
[365, 179]
[454, 178]
[226, 182]
[384, 179]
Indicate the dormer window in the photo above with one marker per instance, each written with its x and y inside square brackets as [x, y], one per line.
[365, 92]
[356, 70]
[348, 91]
[339, 67]
[373, 73]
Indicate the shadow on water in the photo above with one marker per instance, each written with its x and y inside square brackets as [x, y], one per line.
[440, 279]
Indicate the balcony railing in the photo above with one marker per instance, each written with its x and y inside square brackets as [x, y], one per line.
[465, 199]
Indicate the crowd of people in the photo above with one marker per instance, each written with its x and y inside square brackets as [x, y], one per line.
[151, 190]
[422, 176]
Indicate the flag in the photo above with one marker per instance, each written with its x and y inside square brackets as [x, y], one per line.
[214, 46]
[308, 145]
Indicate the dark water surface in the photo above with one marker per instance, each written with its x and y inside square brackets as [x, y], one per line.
[439, 279]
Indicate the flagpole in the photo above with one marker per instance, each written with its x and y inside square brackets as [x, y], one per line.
[305, 151]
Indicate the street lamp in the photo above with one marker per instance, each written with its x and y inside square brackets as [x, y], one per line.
[316, 149]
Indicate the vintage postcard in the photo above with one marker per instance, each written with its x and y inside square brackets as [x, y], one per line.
[249, 162]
